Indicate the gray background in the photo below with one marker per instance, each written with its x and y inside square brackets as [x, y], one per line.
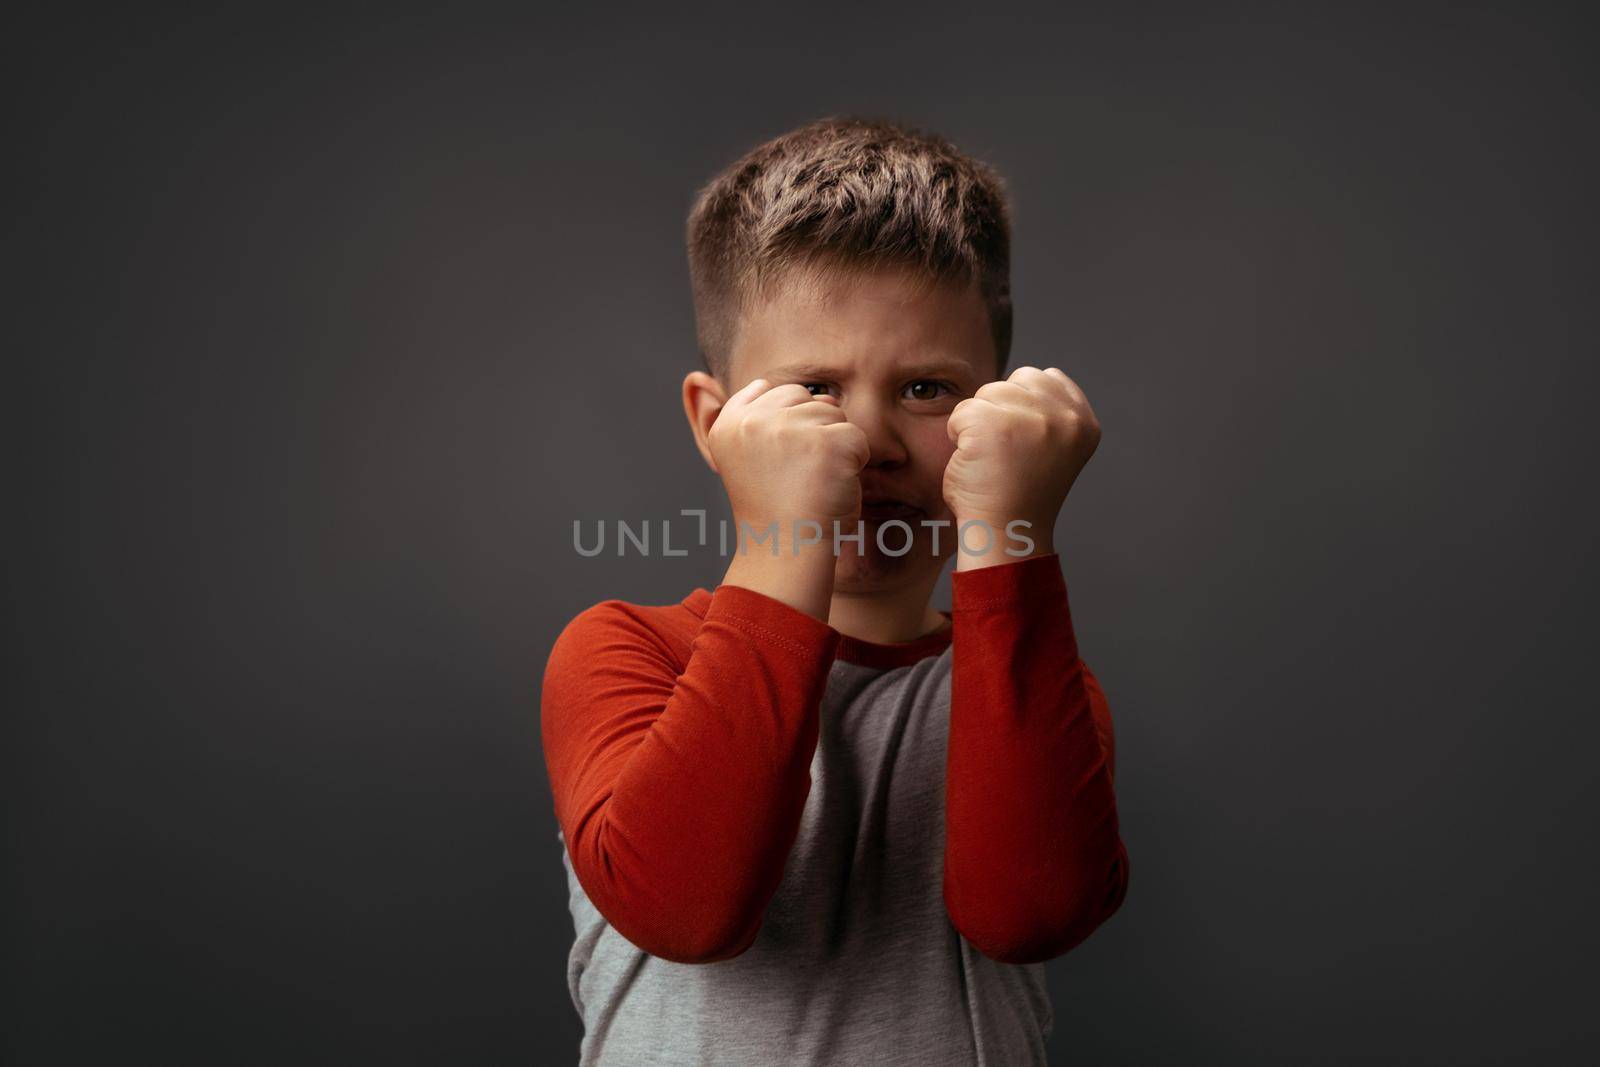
[323, 332]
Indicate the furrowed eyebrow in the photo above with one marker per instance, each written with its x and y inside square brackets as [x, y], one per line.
[817, 372]
[803, 372]
[948, 368]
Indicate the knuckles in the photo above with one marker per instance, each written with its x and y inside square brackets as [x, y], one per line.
[793, 433]
[1017, 427]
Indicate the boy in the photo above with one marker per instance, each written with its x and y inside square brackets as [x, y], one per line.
[807, 819]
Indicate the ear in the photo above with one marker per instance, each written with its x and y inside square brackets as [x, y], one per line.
[703, 397]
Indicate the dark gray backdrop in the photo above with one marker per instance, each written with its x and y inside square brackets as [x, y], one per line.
[325, 330]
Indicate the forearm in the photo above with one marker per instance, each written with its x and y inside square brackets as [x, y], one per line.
[1033, 854]
[681, 797]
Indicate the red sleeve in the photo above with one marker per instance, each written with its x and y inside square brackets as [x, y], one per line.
[679, 786]
[1034, 859]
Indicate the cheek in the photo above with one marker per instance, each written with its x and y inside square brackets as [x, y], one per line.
[932, 448]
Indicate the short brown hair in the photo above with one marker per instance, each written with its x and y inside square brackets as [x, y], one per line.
[851, 193]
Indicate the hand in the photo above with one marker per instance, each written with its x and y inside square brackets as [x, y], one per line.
[785, 455]
[1020, 445]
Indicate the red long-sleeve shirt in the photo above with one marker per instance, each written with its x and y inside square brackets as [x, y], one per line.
[789, 845]
[682, 743]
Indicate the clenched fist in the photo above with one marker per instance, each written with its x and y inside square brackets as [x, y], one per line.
[1020, 444]
[785, 455]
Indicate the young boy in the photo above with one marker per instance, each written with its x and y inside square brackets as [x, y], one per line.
[807, 818]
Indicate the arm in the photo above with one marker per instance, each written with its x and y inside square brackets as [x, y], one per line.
[1034, 860]
[680, 795]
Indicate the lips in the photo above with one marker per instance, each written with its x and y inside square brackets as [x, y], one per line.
[884, 508]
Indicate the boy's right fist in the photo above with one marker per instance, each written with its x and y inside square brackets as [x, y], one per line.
[785, 455]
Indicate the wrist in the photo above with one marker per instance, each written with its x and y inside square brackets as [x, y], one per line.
[992, 541]
[799, 575]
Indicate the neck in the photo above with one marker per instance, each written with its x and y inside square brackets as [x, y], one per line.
[887, 616]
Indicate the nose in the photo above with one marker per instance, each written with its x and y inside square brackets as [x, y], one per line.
[886, 446]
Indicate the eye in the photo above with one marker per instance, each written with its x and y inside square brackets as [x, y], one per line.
[926, 389]
[815, 388]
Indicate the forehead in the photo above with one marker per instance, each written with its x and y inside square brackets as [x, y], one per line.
[862, 323]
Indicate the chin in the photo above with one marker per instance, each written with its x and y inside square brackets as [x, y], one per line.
[872, 570]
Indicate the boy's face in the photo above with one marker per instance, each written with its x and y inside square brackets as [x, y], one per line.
[898, 353]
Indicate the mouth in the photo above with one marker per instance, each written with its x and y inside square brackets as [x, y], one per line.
[881, 509]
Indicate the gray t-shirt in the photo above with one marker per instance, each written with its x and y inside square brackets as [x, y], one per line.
[856, 961]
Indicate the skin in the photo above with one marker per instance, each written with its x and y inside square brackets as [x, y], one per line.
[877, 383]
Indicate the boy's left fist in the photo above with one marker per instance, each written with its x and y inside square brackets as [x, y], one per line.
[1020, 444]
